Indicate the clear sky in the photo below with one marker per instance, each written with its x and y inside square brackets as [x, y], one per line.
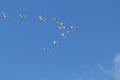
[90, 53]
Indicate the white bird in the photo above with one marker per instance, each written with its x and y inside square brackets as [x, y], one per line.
[59, 27]
[63, 35]
[69, 32]
[5, 15]
[41, 18]
[56, 42]
[62, 24]
[73, 27]
[56, 20]
[22, 16]
[45, 49]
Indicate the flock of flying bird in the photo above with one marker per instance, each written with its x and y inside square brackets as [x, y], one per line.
[61, 26]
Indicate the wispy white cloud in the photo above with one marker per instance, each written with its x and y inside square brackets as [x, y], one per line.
[112, 73]
[117, 67]
[102, 68]
[115, 71]
[106, 74]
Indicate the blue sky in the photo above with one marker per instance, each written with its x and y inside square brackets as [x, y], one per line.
[90, 53]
